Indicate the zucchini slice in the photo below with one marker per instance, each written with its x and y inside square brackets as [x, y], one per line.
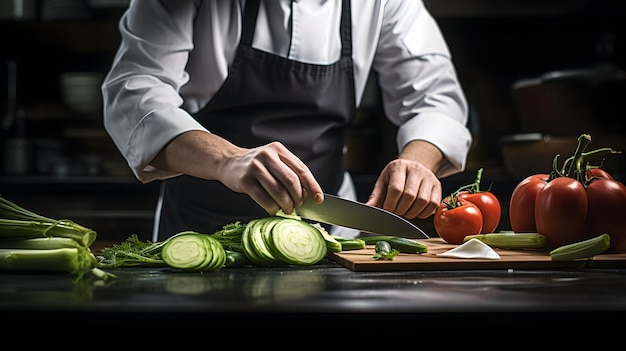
[297, 242]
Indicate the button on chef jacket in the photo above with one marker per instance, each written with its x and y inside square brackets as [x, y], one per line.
[174, 56]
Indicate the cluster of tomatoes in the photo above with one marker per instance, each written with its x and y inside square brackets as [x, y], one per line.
[571, 204]
[566, 210]
[467, 211]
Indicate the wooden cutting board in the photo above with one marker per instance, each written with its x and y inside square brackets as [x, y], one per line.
[362, 260]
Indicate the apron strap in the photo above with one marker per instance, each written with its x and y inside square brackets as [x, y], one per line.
[346, 29]
[249, 22]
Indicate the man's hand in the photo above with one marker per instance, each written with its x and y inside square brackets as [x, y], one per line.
[270, 174]
[273, 177]
[408, 186]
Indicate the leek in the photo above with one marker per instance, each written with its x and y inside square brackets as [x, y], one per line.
[65, 260]
[40, 243]
[18, 223]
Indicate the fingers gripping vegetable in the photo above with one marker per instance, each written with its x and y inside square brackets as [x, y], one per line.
[457, 218]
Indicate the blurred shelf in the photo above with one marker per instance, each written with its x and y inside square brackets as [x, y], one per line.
[115, 207]
[523, 8]
[89, 36]
[86, 186]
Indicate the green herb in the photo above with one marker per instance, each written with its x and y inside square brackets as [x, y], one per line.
[132, 252]
[383, 251]
[230, 236]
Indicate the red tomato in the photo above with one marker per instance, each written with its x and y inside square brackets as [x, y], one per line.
[607, 211]
[453, 224]
[488, 205]
[522, 203]
[598, 173]
[561, 211]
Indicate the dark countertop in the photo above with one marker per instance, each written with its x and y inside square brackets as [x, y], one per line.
[504, 303]
[324, 293]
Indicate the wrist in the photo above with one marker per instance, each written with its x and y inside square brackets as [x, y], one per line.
[423, 152]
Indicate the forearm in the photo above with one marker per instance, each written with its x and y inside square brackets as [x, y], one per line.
[196, 153]
[270, 174]
[423, 152]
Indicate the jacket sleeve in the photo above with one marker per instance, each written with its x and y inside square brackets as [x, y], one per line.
[142, 104]
[420, 89]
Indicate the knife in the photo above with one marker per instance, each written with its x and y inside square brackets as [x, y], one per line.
[356, 215]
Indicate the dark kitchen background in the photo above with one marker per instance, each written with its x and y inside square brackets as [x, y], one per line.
[543, 71]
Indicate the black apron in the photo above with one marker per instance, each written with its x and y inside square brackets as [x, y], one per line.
[266, 98]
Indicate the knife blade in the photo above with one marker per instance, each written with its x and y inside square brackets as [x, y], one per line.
[338, 211]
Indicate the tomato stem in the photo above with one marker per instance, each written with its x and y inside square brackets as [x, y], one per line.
[577, 165]
[583, 142]
[586, 156]
[452, 201]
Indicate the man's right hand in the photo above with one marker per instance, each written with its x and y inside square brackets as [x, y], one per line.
[271, 175]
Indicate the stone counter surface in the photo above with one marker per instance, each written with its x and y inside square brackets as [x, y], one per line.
[324, 295]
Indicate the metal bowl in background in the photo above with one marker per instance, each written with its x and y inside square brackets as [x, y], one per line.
[566, 102]
[531, 153]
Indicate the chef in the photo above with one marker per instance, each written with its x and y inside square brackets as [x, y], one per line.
[240, 108]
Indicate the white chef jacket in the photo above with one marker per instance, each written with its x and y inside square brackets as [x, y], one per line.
[174, 55]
